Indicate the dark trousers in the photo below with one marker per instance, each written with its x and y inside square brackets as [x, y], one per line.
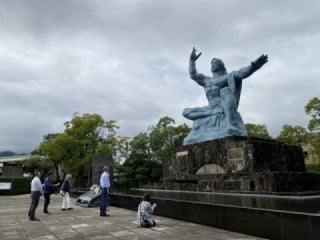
[147, 224]
[35, 196]
[104, 201]
[46, 202]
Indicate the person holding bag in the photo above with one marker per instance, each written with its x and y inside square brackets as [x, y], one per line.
[65, 192]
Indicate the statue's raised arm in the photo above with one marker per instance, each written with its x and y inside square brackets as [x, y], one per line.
[194, 56]
[254, 66]
[260, 61]
[198, 77]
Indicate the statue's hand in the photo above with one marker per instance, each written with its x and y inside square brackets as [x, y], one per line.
[194, 56]
[260, 61]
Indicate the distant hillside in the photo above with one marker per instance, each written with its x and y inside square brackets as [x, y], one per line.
[7, 154]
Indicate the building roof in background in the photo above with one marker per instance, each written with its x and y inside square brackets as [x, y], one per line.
[17, 158]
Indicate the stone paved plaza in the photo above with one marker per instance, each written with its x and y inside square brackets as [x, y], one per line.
[85, 223]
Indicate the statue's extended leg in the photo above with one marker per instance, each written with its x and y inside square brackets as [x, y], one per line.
[228, 103]
[196, 113]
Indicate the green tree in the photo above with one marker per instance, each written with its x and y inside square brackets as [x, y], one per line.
[315, 141]
[84, 136]
[165, 137]
[293, 135]
[109, 142]
[92, 135]
[257, 130]
[313, 109]
[147, 151]
[37, 162]
[57, 148]
[133, 171]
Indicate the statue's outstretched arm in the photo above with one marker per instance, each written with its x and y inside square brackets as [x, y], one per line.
[198, 77]
[254, 66]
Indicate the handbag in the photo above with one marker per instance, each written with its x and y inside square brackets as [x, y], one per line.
[62, 193]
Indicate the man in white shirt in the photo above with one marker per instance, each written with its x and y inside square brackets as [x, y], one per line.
[105, 187]
[36, 192]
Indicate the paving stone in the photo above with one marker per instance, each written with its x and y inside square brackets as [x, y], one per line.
[85, 223]
[121, 233]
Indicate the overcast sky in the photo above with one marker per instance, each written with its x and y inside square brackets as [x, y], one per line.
[128, 61]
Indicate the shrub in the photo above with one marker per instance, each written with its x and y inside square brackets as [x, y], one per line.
[18, 185]
[314, 168]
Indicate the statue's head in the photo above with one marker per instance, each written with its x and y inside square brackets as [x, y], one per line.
[217, 65]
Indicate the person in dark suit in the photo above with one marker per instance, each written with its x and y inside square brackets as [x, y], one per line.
[48, 188]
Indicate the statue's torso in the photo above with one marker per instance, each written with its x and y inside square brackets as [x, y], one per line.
[213, 85]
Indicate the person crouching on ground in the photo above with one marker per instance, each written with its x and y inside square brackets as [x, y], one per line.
[66, 203]
[145, 210]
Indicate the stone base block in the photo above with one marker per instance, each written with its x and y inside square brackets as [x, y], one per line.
[239, 164]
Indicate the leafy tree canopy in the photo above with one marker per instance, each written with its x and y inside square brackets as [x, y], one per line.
[84, 136]
[147, 151]
[164, 137]
[257, 130]
[39, 163]
[313, 109]
[293, 135]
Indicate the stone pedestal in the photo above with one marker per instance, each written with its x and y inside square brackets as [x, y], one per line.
[98, 162]
[239, 164]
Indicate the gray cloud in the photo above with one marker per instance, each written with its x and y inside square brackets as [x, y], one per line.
[128, 61]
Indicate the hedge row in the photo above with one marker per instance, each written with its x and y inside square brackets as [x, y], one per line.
[314, 168]
[18, 185]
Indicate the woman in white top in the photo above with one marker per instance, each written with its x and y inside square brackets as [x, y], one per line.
[66, 202]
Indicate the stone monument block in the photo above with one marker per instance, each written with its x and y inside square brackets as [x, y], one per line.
[238, 164]
[98, 162]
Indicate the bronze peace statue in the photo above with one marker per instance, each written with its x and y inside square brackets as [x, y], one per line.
[220, 118]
